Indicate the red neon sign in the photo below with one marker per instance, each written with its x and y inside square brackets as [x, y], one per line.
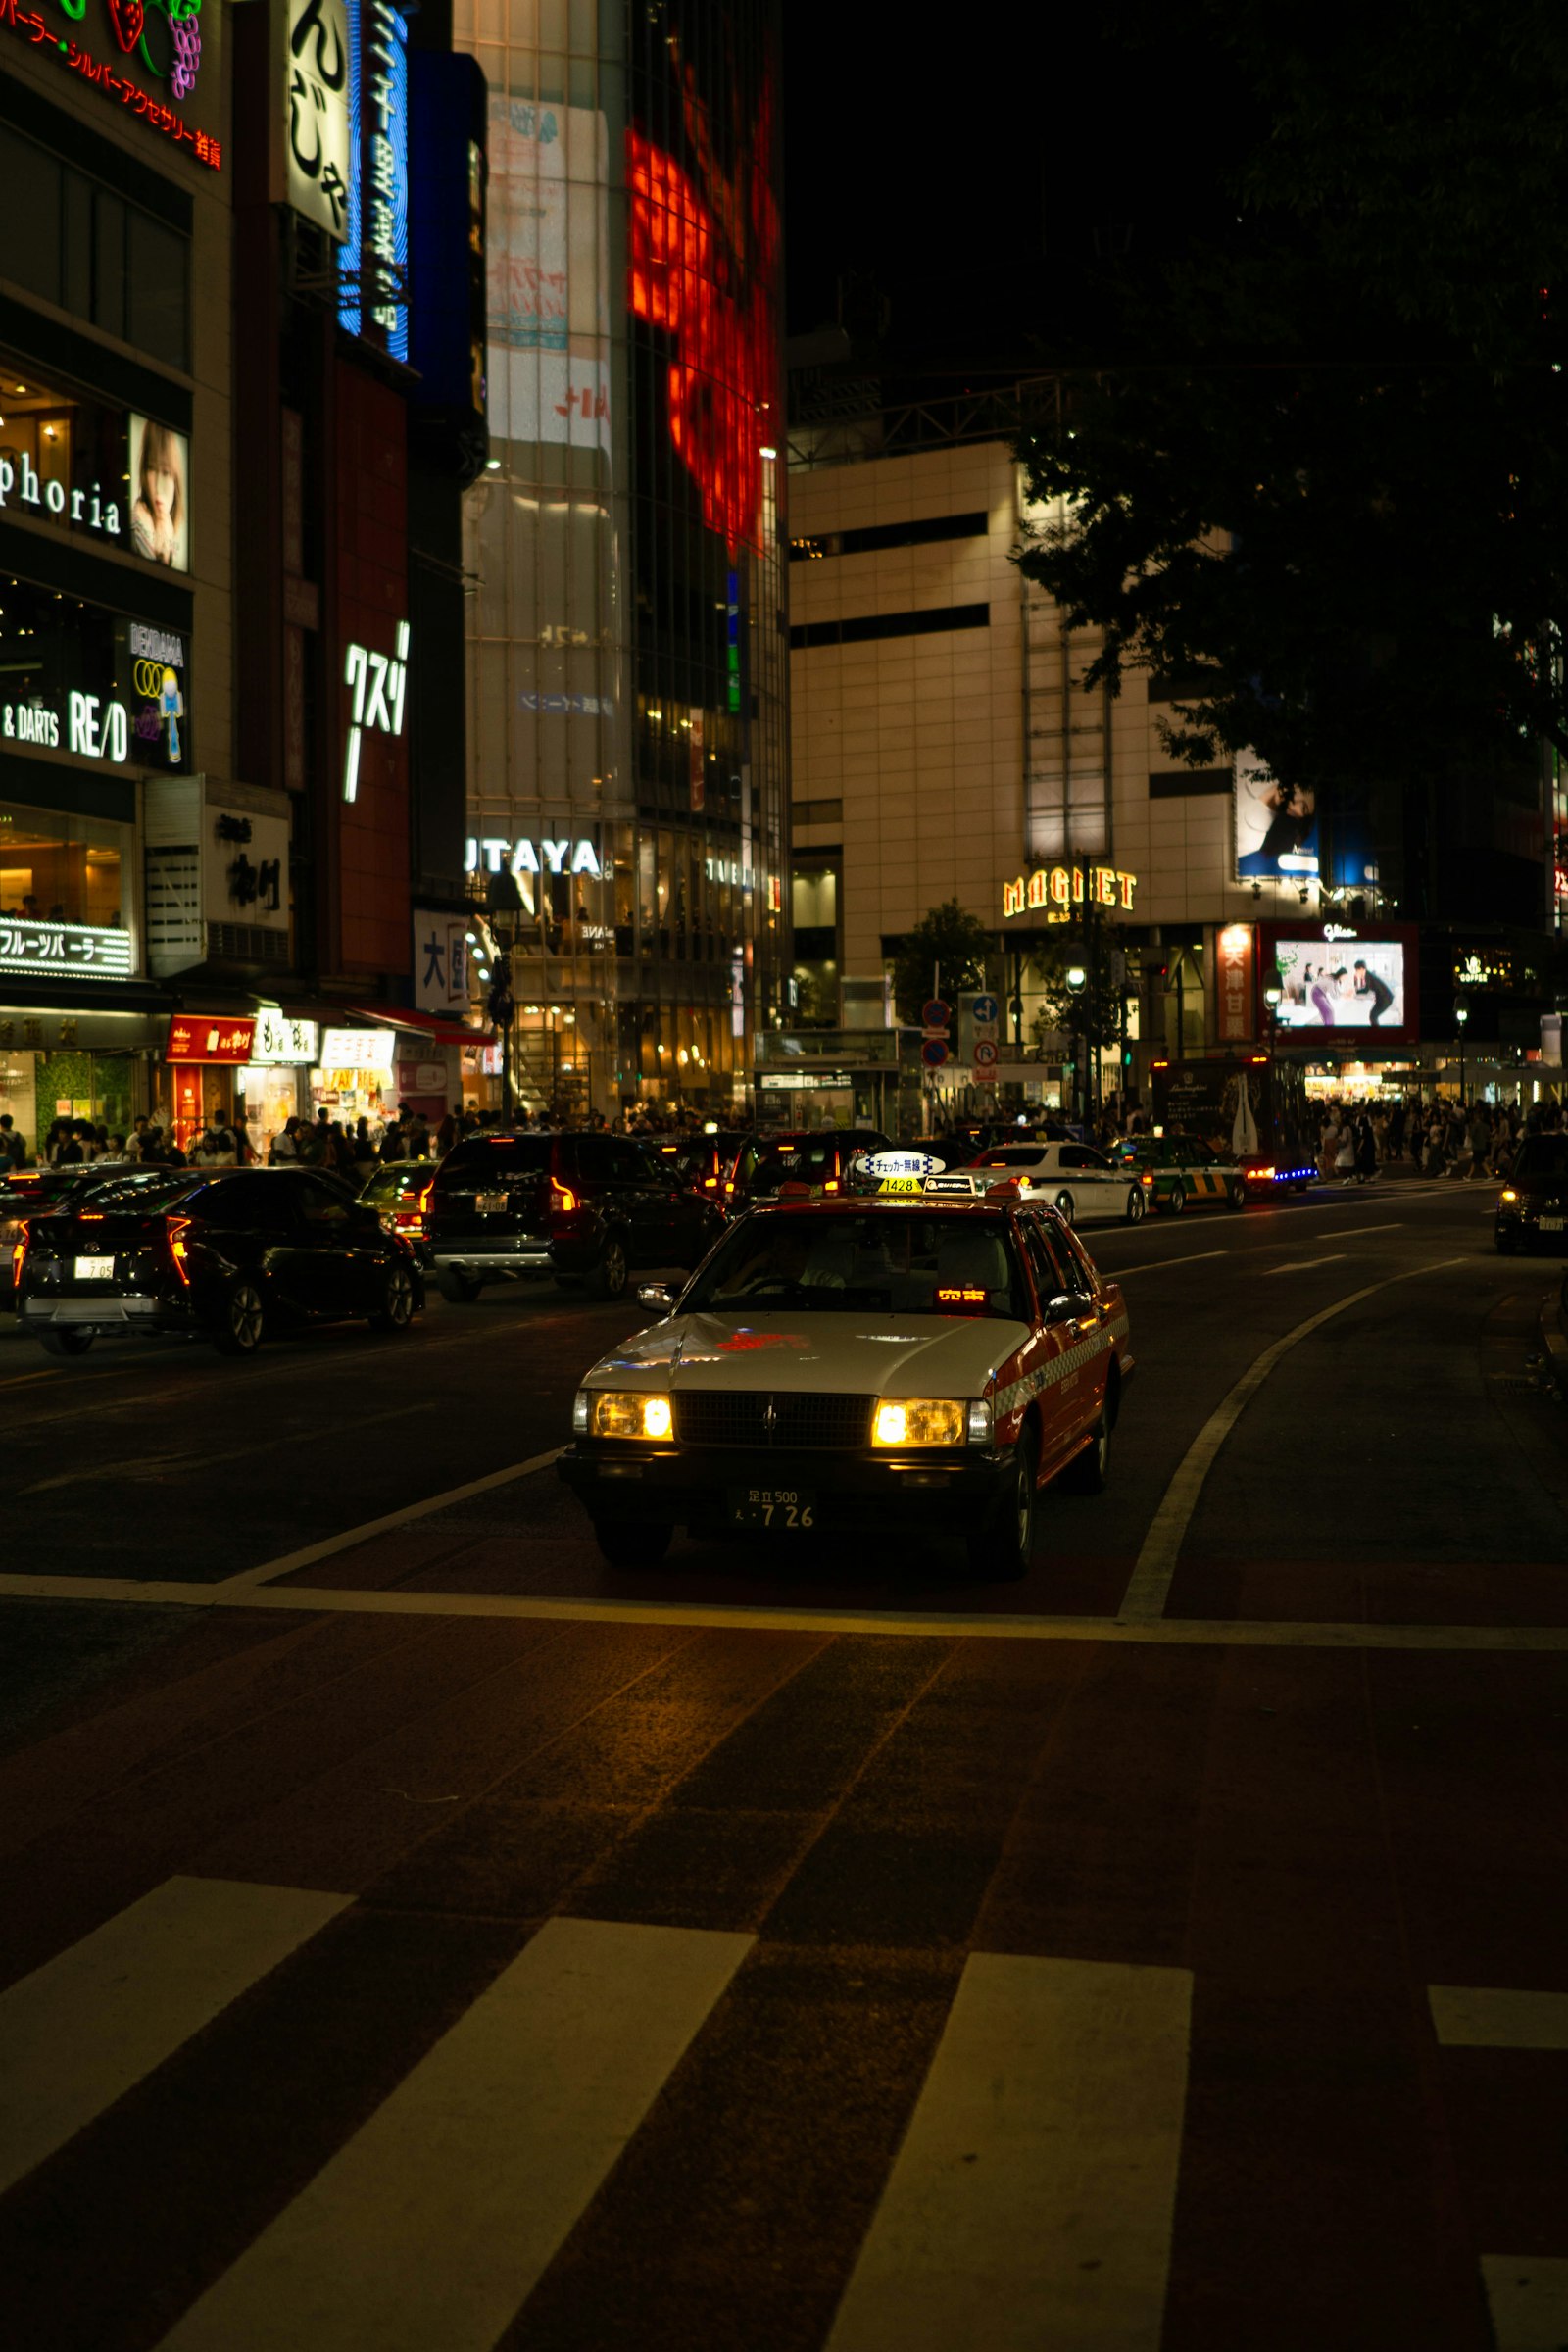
[126, 17]
[702, 268]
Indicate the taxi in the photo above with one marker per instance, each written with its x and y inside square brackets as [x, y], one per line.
[903, 1363]
[1181, 1171]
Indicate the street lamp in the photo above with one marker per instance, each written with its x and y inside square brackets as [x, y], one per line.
[1461, 1013]
[1273, 996]
[1077, 981]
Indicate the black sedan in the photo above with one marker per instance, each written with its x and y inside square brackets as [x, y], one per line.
[33, 1193]
[228, 1255]
[1533, 1205]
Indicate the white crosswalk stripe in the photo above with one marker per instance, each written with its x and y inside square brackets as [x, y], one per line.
[84, 2030]
[1527, 2294]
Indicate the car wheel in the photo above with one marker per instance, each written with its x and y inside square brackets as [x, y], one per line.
[1236, 1196]
[629, 1543]
[241, 1321]
[1508, 1242]
[66, 1341]
[608, 1277]
[1065, 1205]
[1176, 1199]
[1136, 1206]
[457, 1288]
[1088, 1472]
[1001, 1550]
[396, 1310]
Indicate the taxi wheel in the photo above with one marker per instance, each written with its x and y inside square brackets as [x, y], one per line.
[1236, 1196]
[1001, 1550]
[1176, 1199]
[1136, 1206]
[66, 1341]
[1065, 1205]
[629, 1543]
[457, 1288]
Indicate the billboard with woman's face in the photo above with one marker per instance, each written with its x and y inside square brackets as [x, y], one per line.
[160, 493]
[1276, 825]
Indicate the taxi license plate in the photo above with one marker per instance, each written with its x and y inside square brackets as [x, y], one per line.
[491, 1204]
[95, 1269]
[1551, 1224]
[791, 1508]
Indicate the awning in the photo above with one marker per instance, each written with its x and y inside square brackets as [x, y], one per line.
[434, 1026]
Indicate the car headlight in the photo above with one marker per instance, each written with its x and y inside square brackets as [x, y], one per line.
[1507, 1196]
[623, 1413]
[919, 1421]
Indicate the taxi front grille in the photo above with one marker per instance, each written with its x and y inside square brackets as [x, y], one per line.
[780, 1418]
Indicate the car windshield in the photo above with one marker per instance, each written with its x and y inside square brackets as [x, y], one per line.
[492, 1156]
[153, 1190]
[404, 1180]
[1542, 1155]
[808, 1163]
[1014, 1155]
[892, 1261]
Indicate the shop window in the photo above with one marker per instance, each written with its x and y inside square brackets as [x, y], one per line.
[79, 681]
[814, 899]
[60, 868]
[70, 458]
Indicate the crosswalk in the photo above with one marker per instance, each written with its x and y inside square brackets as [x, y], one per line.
[1029, 2195]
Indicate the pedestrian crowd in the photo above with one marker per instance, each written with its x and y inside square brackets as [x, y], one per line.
[1441, 1138]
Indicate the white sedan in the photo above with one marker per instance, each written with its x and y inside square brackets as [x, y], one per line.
[1080, 1182]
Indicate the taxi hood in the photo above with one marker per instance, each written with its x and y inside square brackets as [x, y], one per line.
[913, 1355]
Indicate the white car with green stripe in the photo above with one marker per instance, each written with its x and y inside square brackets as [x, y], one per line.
[1178, 1172]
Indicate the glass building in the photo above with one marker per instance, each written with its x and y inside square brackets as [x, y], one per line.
[628, 639]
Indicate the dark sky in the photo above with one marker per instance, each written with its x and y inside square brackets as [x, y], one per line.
[975, 181]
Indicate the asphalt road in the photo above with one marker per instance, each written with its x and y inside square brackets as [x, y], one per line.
[446, 1940]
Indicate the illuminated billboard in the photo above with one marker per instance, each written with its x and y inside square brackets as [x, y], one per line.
[1333, 976]
[1276, 825]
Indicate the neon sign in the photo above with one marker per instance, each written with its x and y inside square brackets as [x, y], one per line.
[702, 268]
[1057, 890]
[547, 858]
[373, 265]
[378, 682]
[130, 23]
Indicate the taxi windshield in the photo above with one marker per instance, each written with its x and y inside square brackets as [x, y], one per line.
[892, 1261]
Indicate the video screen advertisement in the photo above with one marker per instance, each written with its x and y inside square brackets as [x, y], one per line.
[1357, 978]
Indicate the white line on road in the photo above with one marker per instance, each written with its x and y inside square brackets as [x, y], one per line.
[1158, 1265]
[1304, 1266]
[1350, 1231]
[1033, 2199]
[1495, 2017]
[1149, 1584]
[435, 2222]
[80, 2031]
[310, 1553]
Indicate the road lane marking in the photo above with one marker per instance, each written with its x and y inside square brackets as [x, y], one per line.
[438, 2219]
[82, 2030]
[1032, 2200]
[1528, 2296]
[1304, 1266]
[1499, 2017]
[1157, 1265]
[1149, 1584]
[1350, 1231]
[310, 1553]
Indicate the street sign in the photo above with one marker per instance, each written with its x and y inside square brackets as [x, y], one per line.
[986, 1077]
[986, 1010]
[934, 1052]
[934, 1014]
[985, 1053]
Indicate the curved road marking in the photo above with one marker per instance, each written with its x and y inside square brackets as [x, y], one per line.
[1150, 1585]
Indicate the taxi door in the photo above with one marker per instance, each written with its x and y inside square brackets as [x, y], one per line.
[1058, 1369]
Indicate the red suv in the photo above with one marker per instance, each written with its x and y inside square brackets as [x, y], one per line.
[583, 1207]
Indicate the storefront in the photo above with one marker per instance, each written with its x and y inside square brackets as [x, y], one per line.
[354, 1077]
[275, 1081]
[207, 1055]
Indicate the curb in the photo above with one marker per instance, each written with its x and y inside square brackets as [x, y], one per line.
[1554, 1336]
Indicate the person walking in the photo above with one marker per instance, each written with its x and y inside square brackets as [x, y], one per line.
[285, 1150]
[13, 1143]
[1366, 1149]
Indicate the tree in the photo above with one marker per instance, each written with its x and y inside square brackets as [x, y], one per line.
[1323, 485]
[947, 939]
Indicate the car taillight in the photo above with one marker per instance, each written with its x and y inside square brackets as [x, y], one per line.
[176, 1247]
[18, 1253]
[710, 1183]
[563, 1200]
[832, 1185]
[423, 1201]
[1147, 1180]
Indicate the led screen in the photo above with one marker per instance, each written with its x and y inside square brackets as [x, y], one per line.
[1342, 984]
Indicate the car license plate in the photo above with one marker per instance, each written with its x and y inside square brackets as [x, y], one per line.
[491, 1204]
[793, 1509]
[95, 1269]
[1551, 1224]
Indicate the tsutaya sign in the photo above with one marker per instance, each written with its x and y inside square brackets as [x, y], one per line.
[1055, 889]
[565, 857]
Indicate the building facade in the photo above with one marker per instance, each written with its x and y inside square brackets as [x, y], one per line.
[627, 658]
[944, 743]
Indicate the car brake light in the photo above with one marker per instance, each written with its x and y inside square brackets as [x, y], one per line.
[1147, 1178]
[561, 1197]
[710, 1182]
[176, 1247]
[832, 1185]
[19, 1252]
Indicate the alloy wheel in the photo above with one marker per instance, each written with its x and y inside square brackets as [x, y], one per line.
[1135, 1204]
[244, 1320]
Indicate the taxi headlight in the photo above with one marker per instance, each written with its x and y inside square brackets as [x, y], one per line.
[628, 1413]
[1510, 1195]
[919, 1421]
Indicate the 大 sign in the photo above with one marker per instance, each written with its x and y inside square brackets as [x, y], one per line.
[1057, 891]
[87, 953]
[440, 961]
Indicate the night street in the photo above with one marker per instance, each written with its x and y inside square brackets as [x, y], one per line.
[816, 1947]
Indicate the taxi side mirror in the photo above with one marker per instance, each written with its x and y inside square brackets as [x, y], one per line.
[1059, 1308]
[659, 1297]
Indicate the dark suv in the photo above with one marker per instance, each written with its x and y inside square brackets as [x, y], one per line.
[583, 1207]
[803, 1162]
[1533, 1205]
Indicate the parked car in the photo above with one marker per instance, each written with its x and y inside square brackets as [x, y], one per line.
[873, 1366]
[705, 1160]
[1533, 1205]
[584, 1207]
[226, 1254]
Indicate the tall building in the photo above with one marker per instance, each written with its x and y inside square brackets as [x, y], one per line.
[944, 743]
[627, 656]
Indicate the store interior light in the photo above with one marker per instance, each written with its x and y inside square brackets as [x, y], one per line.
[765, 452]
[492, 466]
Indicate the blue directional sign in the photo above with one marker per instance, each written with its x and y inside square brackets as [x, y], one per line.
[986, 1008]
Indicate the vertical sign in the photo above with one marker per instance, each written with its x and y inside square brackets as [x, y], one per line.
[373, 263]
[1234, 983]
[696, 771]
[317, 160]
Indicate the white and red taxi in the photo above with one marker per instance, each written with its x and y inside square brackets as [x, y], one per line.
[915, 1363]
